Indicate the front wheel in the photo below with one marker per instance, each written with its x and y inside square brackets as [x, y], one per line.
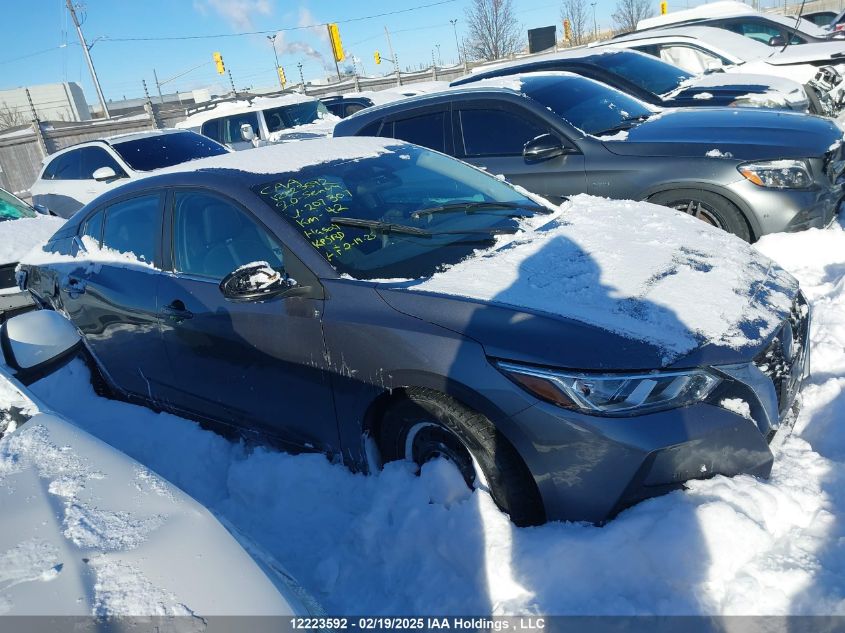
[709, 207]
[423, 425]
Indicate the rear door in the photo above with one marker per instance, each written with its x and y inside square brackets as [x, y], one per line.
[109, 292]
[254, 364]
[492, 135]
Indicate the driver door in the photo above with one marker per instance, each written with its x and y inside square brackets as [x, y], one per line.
[257, 365]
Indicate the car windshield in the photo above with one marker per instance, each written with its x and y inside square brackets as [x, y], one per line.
[588, 105]
[163, 150]
[293, 115]
[646, 71]
[403, 214]
[13, 209]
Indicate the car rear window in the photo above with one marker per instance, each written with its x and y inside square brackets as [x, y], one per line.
[163, 150]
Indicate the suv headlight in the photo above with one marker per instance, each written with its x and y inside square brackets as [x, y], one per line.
[614, 394]
[778, 174]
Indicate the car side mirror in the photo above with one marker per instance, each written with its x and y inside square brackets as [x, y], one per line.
[40, 208]
[713, 66]
[542, 148]
[777, 40]
[36, 341]
[258, 281]
[104, 174]
[247, 133]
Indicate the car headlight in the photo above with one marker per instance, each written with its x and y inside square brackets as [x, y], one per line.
[778, 174]
[614, 394]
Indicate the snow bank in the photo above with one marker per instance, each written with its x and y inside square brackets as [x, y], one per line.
[18, 237]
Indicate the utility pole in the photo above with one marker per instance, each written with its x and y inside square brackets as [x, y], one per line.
[87, 52]
[595, 24]
[393, 57]
[457, 46]
[158, 87]
[272, 39]
[439, 57]
[232, 83]
[302, 79]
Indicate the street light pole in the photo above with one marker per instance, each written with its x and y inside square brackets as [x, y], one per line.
[457, 46]
[302, 79]
[595, 24]
[86, 51]
[272, 39]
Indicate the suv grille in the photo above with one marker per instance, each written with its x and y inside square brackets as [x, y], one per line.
[783, 361]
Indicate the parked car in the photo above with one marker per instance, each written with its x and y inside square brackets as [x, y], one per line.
[368, 288]
[820, 67]
[342, 106]
[820, 18]
[659, 83]
[21, 230]
[769, 28]
[245, 123]
[558, 134]
[87, 531]
[74, 176]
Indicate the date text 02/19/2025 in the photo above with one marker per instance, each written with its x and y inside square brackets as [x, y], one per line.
[421, 623]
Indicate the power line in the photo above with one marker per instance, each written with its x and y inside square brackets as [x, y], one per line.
[289, 28]
[28, 55]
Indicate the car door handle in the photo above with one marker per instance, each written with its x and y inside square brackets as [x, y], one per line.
[176, 311]
[73, 286]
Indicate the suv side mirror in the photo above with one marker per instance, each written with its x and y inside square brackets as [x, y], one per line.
[777, 40]
[542, 148]
[258, 281]
[247, 133]
[104, 174]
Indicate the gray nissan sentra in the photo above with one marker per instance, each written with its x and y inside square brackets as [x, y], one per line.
[346, 295]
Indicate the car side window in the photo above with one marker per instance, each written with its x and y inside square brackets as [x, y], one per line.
[212, 237]
[95, 157]
[211, 129]
[93, 227]
[512, 132]
[134, 226]
[67, 166]
[428, 130]
[231, 126]
[371, 129]
[689, 58]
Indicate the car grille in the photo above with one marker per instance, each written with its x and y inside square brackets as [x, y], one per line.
[784, 360]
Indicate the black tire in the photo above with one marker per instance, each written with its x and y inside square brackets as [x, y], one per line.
[710, 207]
[453, 428]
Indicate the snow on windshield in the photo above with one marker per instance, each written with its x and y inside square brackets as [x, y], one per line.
[640, 270]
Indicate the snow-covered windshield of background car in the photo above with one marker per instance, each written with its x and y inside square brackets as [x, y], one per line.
[646, 71]
[13, 209]
[588, 105]
[163, 150]
[293, 115]
[403, 214]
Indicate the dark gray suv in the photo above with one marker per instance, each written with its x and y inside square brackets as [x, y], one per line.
[749, 172]
[368, 293]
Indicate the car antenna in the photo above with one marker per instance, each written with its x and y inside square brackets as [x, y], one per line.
[797, 22]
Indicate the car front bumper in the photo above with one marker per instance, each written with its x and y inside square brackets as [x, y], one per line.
[589, 468]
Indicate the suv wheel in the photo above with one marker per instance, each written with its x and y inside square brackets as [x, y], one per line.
[424, 424]
[708, 207]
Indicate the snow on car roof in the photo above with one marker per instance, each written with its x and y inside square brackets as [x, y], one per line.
[244, 105]
[743, 48]
[724, 9]
[291, 156]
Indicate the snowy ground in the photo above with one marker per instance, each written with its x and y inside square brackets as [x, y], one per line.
[395, 543]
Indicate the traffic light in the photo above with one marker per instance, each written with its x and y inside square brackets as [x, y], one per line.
[282, 79]
[567, 30]
[377, 57]
[218, 61]
[337, 47]
[663, 8]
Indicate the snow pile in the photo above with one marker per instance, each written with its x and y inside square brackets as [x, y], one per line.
[717, 153]
[322, 127]
[703, 96]
[677, 283]
[17, 237]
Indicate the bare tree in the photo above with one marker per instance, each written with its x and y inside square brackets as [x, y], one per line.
[576, 12]
[10, 117]
[493, 29]
[629, 12]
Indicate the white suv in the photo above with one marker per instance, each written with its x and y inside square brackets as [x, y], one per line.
[73, 177]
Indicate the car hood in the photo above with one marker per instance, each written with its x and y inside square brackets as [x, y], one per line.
[742, 133]
[86, 530]
[609, 285]
[724, 89]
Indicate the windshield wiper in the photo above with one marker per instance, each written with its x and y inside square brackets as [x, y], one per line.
[625, 124]
[404, 229]
[470, 207]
